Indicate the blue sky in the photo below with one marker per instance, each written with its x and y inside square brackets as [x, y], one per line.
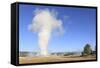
[79, 25]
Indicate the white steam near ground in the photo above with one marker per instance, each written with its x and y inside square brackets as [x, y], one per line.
[44, 23]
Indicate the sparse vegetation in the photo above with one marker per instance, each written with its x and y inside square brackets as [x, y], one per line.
[87, 54]
[23, 60]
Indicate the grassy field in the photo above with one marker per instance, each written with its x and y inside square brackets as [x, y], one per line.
[26, 60]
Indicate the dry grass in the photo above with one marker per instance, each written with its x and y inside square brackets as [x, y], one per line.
[26, 60]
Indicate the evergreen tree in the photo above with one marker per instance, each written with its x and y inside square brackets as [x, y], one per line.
[87, 50]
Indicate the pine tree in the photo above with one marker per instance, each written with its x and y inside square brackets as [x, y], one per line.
[87, 50]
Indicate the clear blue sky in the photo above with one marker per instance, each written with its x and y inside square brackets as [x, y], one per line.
[79, 25]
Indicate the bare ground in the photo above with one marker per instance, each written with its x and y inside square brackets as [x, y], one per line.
[26, 60]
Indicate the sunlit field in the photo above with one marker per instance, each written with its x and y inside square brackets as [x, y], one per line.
[26, 60]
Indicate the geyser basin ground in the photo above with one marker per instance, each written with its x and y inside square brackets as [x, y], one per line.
[26, 60]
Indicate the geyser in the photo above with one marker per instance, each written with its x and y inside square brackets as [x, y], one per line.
[44, 22]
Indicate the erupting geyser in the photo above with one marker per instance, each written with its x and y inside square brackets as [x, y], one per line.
[44, 22]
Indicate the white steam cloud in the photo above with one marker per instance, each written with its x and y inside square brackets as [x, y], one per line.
[44, 22]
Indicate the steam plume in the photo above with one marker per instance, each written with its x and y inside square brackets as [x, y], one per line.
[44, 22]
